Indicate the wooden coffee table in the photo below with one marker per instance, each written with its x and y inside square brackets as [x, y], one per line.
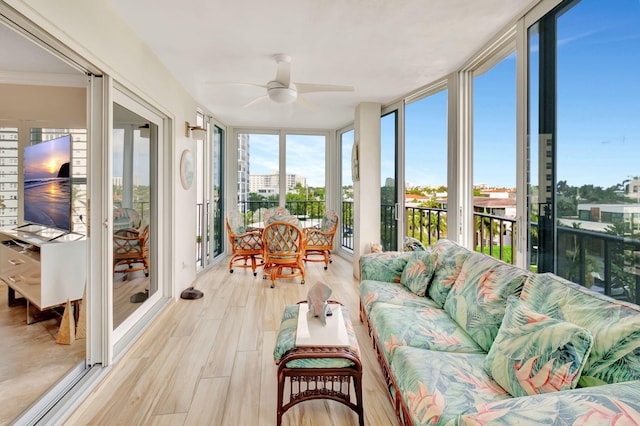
[324, 370]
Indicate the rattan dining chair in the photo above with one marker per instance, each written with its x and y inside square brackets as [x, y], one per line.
[319, 240]
[283, 249]
[246, 245]
[131, 248]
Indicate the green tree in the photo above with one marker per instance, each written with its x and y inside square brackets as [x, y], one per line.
[622, 259]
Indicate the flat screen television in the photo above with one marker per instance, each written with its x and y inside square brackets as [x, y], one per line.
[47, 183]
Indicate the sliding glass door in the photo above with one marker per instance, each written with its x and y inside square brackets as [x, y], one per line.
[584, 132]
[389, 181]
[137, 217]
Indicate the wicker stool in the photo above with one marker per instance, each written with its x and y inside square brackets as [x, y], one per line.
[316, 372]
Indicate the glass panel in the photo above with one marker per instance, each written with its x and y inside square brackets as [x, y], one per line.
[591, 160]
[258, 174]
[346, 142]
[533, 200]
[426, 168]
[494, 130]
[388, 185]
[305, 162]
[134, 278]
[216, 207]
[37, 175]
[8, 176]
[202, 199]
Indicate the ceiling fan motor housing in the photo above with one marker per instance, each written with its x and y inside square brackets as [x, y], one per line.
[280, 93]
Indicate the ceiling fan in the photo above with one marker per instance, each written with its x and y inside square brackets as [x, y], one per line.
[283, 91]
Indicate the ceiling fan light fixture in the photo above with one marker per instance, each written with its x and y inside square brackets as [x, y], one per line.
[283, 95]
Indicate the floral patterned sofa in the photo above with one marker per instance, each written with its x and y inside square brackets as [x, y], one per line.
[465, 339]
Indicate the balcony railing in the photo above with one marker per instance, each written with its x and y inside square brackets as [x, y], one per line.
[141, 207]
[609, 264]
[308, 211]
[494, 235]
[347, 225]
[426, 224]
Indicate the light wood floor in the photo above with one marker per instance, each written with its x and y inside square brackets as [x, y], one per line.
[30, 359]
[209, 361]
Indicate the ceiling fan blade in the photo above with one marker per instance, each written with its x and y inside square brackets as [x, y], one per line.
[255, 101]
[235, 83]
[309, 88]
[283, 73]
[305, 103]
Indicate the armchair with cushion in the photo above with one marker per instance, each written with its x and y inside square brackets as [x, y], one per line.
[283, 248]
[126, 218]
[280, 214]
[246, 244]
[131, 248]
[319, 241]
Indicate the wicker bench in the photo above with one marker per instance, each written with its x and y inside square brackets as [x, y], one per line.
[316, 372]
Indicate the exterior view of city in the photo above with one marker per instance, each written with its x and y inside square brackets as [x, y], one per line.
[596, 231]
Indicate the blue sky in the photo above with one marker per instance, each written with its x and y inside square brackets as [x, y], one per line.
[598, 104]
[141, 156]
[305, 156]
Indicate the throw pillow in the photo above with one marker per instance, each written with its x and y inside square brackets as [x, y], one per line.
[534, 353]
[412, 244]
[418, 272]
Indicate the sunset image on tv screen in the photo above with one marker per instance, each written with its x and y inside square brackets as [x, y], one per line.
[47, 186]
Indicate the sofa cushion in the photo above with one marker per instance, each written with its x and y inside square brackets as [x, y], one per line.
[380, 291]
[387, 266]
[437, 386]
[602, 405]
[534, 353]
[418, 271]
[478, 298]
[424, 328]
[615, 325]
[450, 257]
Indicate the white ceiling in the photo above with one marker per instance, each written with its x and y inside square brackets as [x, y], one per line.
[384, 48]
[24, 62]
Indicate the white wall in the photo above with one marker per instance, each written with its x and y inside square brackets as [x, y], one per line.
[95, 31]
[366, 191]
[44, 103]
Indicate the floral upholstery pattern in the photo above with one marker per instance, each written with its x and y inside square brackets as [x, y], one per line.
[236, 223]
[425, 328]
[450, 257]
[437, 386]
[286, 341]
[597, 406]
[433, 348]
[412, 244]
[329, 221]
[386, 266]
[418, 271]
[535, 354]
[280, 214]
[126, 218]
[478, 298]
[379, 291]
[615, 325]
